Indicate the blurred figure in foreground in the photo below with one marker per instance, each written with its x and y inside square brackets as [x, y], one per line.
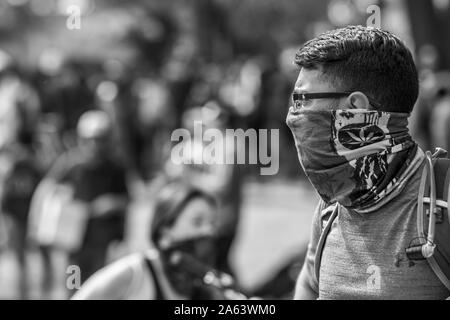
[83, 199]
[182, 264]
[223, 180]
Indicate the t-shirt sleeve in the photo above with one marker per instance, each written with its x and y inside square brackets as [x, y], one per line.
[316, 230]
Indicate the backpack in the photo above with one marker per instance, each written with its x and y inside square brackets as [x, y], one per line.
[433, 239]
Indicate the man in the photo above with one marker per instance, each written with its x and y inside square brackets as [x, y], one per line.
[354, 93]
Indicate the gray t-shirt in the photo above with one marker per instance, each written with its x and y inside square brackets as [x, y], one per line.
[364, 254]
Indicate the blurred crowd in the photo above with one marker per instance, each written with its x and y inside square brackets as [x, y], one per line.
[82, 140]
[79, 145]
[85, 139]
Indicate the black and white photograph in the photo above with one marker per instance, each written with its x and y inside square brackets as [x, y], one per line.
[227, 150]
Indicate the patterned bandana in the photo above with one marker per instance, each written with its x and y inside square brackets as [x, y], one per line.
[354, 157]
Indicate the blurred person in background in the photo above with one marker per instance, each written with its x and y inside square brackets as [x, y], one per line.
[19, 169]
[181, 70]
[419, 121]
[93, 197]
[66, 88]
[439, 115]
[154, 121]
[222, 180]
[182, 231]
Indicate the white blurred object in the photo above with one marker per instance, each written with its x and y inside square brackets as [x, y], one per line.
[51, 61]
[56, 220]
[153, 100]
[441, 4]
[341, 12]
[85, 6]
[107, 91]
[9, 115]
[242, 90]
[93, 124]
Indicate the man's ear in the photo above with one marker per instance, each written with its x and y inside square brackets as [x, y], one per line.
[358, 100]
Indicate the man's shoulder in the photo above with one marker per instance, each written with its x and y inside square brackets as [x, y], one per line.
[113, 281]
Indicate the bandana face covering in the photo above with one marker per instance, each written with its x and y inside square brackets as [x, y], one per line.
[346, 153]
[200, 249]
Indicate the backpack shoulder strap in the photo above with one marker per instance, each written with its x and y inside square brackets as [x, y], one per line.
[151, 269]
[328, 215]
[439, 261]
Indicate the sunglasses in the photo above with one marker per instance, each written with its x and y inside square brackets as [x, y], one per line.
[300, 98]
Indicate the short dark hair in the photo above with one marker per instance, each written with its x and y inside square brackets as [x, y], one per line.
[370, 60]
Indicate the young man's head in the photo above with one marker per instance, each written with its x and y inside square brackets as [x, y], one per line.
[373, 66]
[345, 143]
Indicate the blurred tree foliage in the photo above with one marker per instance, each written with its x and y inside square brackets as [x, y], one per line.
[267, 25]
[430, 23]
[222, 27]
